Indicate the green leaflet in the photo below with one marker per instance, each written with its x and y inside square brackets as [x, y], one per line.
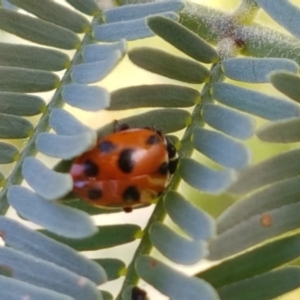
[156, 95]
[271, 196]
[14, 127]
[112, 267]
[32, 57]
[254, 262]
[21, 104]
[49, 184]
[8, 153]
[287, 83]
[167, 120]
[284, 131]
[284, 13]
[31, 242]
[221, 149]
[172, 283]
[13, 289]
[253, 102]
[65, 146]
[255, 230]
[230, 121]
[183, 39]
[47, 275]
[143, 10]
[192, 220]
[55, 13]
[276, 168]
[53, 216]
[256, 70]
[15, 79]
[263, 287]
[37, 31]
[86, 97]
[106, 237]
[88, 7]
[64, 123]
[169, 65]
[205, 178]
[129, 30]
[177, 248]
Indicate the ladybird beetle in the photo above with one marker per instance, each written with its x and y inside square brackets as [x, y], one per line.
[127, 168]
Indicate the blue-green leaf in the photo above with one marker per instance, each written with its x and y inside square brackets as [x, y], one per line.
[270, 197]
[49, 184]
[55, 217]
[266, 286]
[112, 267]
[166, 119]
[161, 95]
[171, 283]
[15, 79]
[37, 30]
[21, 104]
[256, 70]
[47, 275]
[14, 127]
[255, 230]
[229, 121]
[32, 57]
[259, 104]
[55, 13]
[175, 247]
[106, 295]
[169, 65]
[253, 262]
[204, 178]
[89, 7]
[283, 12]
[129, 30]
[86, 97]
[8, 153]
[66, 124]
[96, 52]
[131, 12]
[286, 83]
[65, 146]
[195, 222]
[38, 245]
[183, 39]
[276, 168]
[12, 289]
[220, 148]
[285, 131]
[106, 237]
[93, 72]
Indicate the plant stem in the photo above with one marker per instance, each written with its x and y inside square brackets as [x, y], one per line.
[186, 150]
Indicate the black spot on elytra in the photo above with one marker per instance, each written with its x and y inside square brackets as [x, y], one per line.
[164, 168]
[90, 168]
[106, 147]
[171, 150]
[127, 209]
[125, 162]
[153, 139]
[131, 194]
[138, 294]
[94, 194]
[173, 165]
[159, 132]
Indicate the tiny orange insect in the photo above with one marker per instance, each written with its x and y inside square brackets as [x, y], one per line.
[127, 168]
